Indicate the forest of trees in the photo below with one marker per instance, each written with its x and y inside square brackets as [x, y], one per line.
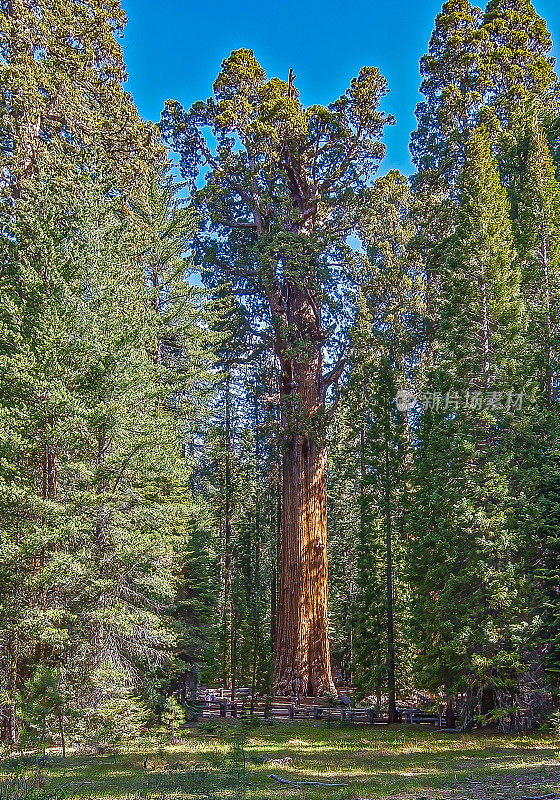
[226, 334]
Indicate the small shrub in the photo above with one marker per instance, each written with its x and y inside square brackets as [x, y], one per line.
[27, 781]
[172, 718]
[252, 721]
[114, 723]
[554, 723]
[44, 709]
[211, 726]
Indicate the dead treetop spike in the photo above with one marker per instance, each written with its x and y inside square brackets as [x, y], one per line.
[291, 78]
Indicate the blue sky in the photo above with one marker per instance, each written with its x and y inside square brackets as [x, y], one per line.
[173, 49]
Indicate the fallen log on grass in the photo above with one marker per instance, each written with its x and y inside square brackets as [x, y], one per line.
[297, 784]
[553, 796]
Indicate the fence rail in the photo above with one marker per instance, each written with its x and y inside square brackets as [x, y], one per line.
[289, 711]
[216, 703]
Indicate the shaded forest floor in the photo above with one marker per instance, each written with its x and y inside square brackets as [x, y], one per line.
[396, 763]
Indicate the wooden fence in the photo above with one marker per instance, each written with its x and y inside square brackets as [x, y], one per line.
[218, 703]
[288, 711]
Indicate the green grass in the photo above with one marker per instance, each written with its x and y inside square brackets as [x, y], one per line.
[396, 762]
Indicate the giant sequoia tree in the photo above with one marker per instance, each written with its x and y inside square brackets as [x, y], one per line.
[282, 187]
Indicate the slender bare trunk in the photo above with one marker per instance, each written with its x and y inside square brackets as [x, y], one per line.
[256, 572]
[8, 721]
[227, 645]
[485, 334]
[256, 621]
[450, 712]
[8, 724]
[549, 376]
[102, 516]
[62, 736]
[391, 689]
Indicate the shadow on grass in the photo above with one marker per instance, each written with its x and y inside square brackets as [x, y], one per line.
[374, 763]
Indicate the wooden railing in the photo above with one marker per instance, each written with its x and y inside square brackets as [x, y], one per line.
[219, 703]
[288, 711]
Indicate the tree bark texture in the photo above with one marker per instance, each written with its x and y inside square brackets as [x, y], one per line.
[302, 652]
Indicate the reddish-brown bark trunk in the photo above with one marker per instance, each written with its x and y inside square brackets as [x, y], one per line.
[302, 653]
[8, 724]
[450, 713]
[228, 659]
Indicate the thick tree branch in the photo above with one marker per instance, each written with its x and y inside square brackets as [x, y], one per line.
[230, 224]
[335, 373]
[330, 181]
[334, 405]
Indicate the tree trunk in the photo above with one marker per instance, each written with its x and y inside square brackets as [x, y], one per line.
[278, 540]
[256, 620]
[391, 689]
[8, 726]
[227, 624]
[450, 713]
[255, 572]
[302, 653]
[102, 514]
[485, 333]
[549, 373]
[302, 658]
[62, 736]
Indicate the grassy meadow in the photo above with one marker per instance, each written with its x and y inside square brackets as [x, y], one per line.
[394, 762]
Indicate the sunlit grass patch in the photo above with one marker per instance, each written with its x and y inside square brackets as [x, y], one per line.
[375, 763]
